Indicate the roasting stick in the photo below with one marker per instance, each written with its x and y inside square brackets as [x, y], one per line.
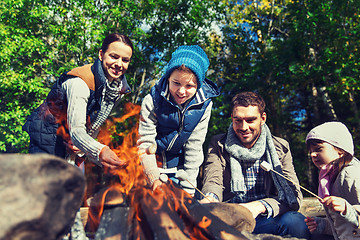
[267, 167]
[182, 176]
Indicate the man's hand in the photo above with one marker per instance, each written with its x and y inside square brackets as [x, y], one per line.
[311, 223]
[109, 159]
[336, 204]
[255, 207]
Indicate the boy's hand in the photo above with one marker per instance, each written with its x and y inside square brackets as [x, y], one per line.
[336, 204]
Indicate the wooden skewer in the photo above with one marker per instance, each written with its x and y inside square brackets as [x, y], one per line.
[181, 176]
[266, 166]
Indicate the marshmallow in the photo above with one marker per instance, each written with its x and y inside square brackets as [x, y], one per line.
[181, 175]
[266, 166]
[164, 178]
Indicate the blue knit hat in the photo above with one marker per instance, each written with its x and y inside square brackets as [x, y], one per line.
[193, 57]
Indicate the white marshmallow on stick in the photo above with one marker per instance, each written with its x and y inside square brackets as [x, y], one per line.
[151, 149]
[267, 167]
[182, 176]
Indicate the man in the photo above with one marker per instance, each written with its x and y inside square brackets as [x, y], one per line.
[232, 171]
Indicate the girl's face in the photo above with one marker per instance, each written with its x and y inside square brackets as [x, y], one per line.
[182, 86]
[115, 60]
[323, 153]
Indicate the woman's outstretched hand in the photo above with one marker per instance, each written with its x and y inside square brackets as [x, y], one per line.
[109, 159]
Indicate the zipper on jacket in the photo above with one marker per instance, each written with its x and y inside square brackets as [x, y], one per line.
[181, 117]
[164, 160]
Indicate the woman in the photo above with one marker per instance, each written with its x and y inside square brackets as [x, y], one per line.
[79, 102]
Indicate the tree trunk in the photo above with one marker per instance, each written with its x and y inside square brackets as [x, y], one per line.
[328, 103]
[354, 108]
[315, 104]
[137, 91]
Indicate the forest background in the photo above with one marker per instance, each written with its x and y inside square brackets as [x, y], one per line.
[301, 56]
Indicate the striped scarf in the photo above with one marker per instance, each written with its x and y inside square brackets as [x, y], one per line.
[111, 94]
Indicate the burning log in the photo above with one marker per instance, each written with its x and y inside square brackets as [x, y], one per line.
[114, 223]
[210, 225]
[168, 213]
[233, 214]
[160, 222]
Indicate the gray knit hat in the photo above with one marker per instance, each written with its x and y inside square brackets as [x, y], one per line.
[335, 133]
[193, 57]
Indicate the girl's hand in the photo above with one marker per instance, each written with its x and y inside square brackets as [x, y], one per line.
[336, 204]
[311, 223]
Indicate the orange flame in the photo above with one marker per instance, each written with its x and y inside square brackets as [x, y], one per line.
[132, 179]
[133, 182]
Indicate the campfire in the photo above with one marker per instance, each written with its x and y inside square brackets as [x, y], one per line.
[42, 194]
[128, 208]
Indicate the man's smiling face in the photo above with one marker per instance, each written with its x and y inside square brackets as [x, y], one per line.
[247, 122]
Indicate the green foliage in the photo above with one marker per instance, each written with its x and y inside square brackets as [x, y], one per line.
[41, 39]
[302, 56]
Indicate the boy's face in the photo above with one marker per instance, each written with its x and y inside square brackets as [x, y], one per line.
[323, 153]
[247, 122]
[182, 86]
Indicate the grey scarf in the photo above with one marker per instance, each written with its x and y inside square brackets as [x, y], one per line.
[239, 153]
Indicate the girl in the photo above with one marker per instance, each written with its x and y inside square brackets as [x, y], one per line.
[175, 117]
[80, 101]
[332, 151]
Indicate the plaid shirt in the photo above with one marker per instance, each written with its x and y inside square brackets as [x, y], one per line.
[254, 177]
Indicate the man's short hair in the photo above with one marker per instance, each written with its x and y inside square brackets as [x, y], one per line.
[246, 99]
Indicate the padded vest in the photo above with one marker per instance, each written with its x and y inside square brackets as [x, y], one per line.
[175, 125]
[43, 125]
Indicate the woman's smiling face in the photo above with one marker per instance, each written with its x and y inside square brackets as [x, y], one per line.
[115, 60]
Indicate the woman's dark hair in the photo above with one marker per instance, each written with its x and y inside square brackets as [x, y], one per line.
[116, 37]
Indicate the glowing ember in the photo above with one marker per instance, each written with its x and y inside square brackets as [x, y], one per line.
[205, 222]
